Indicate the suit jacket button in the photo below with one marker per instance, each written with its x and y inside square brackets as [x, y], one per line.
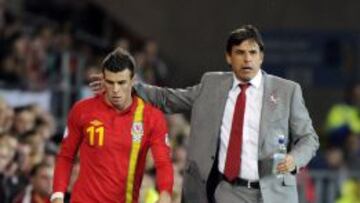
[213, 157]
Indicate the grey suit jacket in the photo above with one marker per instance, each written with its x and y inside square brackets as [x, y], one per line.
[283, 111]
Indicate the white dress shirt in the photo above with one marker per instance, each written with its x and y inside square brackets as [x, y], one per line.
[249, 153]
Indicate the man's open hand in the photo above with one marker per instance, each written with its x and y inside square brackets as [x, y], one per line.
[96, 83]
[287, 165]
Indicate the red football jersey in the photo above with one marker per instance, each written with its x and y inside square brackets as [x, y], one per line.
[103, 137]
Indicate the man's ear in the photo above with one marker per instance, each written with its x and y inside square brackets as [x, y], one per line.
[262, 56]
[228, 58]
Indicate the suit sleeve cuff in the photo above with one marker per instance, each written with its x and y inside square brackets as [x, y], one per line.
[295, 170]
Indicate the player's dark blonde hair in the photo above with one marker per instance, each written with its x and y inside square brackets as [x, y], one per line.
[119, 60]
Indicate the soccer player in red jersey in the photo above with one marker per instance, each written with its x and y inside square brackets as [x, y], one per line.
[113, 132]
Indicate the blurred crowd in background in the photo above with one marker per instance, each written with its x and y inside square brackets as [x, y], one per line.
[50, 53]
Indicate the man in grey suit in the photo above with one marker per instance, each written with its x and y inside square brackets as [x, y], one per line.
[236, 118]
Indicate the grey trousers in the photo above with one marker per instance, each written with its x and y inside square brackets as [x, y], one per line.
[227, 193]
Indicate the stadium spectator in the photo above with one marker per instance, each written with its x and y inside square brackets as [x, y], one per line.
[344, 119]
[39, 189]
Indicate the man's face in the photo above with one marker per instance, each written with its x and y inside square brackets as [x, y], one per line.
[118, 88]
[245, 59]
[24, 121]
[42, 181]
[5, 158]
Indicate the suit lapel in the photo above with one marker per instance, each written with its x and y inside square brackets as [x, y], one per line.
[269, 105]
[221, 95]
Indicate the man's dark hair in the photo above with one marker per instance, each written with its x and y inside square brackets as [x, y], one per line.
[35, 170]
[243, 33]
[119, 60]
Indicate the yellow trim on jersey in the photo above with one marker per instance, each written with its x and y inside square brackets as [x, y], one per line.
[137, 131]
[96, 123]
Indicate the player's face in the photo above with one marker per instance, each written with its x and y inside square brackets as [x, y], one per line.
[245, 59]
[118, 86]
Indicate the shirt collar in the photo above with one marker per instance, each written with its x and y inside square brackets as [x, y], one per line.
[124, 111]
[255, 82]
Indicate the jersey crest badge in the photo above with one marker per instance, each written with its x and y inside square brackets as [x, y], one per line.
[137, 131]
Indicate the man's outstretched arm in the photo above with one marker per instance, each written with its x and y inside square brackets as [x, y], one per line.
[168, 100]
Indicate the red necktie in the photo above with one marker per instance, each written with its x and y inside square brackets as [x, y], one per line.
[233, 156]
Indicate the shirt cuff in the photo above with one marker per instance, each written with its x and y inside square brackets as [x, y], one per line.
[57, 195]
[295, 170]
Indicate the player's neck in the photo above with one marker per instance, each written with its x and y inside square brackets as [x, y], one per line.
[120, 108]
[125, 106]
